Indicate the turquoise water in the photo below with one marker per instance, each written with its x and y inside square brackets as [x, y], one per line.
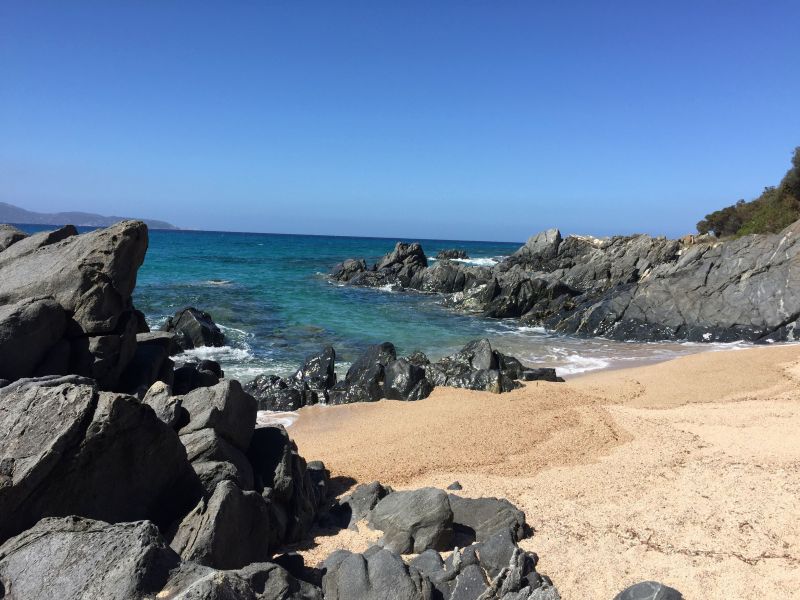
[269, 295]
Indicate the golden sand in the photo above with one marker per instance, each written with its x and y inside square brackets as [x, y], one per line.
[687, 471]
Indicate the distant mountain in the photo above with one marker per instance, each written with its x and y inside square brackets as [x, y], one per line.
[14, 214]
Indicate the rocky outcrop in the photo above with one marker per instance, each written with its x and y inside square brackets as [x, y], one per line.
[451, 253]
[193, 328]
[414, 521]
[10, 235]
[70, 295]
[631, 287]
[401, 267]
[379, 373]
[68, 449]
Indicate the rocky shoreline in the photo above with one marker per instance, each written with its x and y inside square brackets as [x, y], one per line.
[629, 288]
[123, 477]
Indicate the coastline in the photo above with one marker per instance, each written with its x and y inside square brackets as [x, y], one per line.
[685, 471]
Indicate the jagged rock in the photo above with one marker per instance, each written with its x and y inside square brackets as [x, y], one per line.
[229, 530]
[167, 407]
[225, 408]
[364, 379]
[451, 253]
[192, 375]
[487, 516]
[214, 460]
[281, 476]
[91, 276]
[165, 339]
[320, 480]
[73, 557]
[68, 449]
[356, 506]
[194, 328]
[649, 590]
[345, 271]
[318, 371]
[377, 574]
[10, 235]
[405, 381]
[279, 394]
[414, 521]
[29, 329]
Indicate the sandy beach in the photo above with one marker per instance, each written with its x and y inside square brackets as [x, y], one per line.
[686, 472]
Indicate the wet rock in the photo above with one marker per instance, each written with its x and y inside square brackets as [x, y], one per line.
[225, 408]
[345, 271]
[414, 521]
[541, 374]
[73, 557]
[364, 379]
[405, 381]
[377, 574]
[317, 372]
[649, 590]
[279, 394]
[194, 328]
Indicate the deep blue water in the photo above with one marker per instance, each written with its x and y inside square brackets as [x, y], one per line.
[269, 295]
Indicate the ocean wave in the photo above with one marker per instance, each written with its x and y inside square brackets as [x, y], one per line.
[227, 328]
[217, 282]
[477, 262]
[581, 364]
[217, 353]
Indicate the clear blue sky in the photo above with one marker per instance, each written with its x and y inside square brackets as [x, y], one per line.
[471, 120]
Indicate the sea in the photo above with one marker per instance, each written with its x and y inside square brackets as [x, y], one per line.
[270, 296]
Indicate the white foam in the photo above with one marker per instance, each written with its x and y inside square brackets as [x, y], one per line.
[240, 331]
[217, 282]
[272, 417]
[581, 364]
[217, 353]
[389, 287]
[477, 262]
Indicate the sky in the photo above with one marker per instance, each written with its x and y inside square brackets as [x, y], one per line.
[486, 120]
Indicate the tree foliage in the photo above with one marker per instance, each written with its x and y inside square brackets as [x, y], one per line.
[776, 208]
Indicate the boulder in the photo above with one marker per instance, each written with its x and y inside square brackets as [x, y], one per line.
[10, 235]
[193, 375]
[414, 521]
[73, 557]
[487, 516]
[68, 449]
[348, 269]
[405, 381]
[167, 407]
[214, 459]
[364, 379]
[229, 530]
[649, 590]
[281, 476]
[356, 506]
[32, 243]
[225, 408]
[377, 574]
[318, 372]
[193, 328]
[279, 394]
[29, 329]
[150, 363]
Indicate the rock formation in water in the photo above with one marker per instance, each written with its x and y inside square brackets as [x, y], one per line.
[626, 288]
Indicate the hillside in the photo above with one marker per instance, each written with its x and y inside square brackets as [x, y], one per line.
[14, 214]
[775, 209]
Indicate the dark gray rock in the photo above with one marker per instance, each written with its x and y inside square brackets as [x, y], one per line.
[405, 381]
[66, 448]
[345, 271]
[191, 376]
[72, 557]
[356, 506]
[377, 574]
[150, 363]
[225, 408]
[318, 371]
[193, 328]
[214, 459]
[10, 235]
[487, 516]
[28, 331]
[451, 253]
[281, 476]
[364, 379]
[414, 521]
[279, 394]
[649, 590]
[455, 486]
[229, 530]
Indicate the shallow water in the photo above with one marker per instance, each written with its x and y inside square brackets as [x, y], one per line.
[269, 295]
